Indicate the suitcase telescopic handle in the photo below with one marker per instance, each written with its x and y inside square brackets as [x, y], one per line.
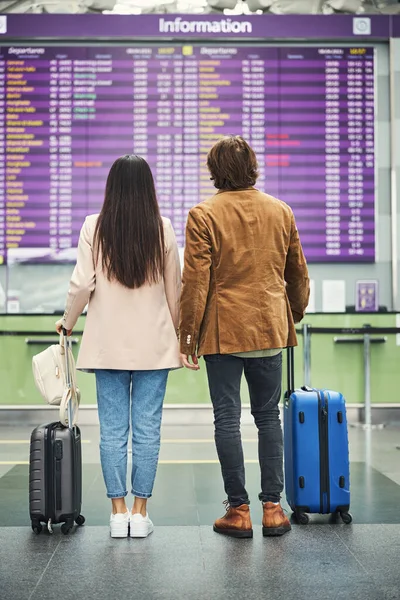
[67, 347]
[290, 370]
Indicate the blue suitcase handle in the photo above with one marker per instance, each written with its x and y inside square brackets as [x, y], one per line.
[290, 375]
[290, 371]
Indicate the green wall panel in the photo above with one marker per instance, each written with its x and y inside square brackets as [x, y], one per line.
[341, 366]
[336, 366]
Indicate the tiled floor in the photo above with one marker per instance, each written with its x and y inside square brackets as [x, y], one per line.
[184, 559]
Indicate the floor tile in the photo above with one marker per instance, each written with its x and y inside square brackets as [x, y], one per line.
[377, 548]
[175, 563]
[393, 476]
[23, 559]
[167, 565]
[303, 564]
[184, 558]
[4, 469]
[193, 495]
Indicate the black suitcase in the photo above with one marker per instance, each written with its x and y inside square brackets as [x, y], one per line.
[55, 477]
[55, 473]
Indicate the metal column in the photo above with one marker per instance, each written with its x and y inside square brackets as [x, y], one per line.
[393, 175]
[367, 380]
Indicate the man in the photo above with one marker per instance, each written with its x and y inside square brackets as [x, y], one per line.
[245, 284]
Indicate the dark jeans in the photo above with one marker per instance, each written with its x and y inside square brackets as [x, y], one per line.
[263, 377]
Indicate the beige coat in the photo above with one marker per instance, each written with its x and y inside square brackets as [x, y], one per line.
[245, 278]
[127, 329]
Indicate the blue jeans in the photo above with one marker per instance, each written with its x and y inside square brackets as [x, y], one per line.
[125, 397]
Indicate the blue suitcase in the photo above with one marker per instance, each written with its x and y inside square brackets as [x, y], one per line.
[316, 451]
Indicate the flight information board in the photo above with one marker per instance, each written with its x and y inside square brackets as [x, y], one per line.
[66, 113]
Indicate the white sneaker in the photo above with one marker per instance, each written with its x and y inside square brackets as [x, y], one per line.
[119, 524]
[140, 526]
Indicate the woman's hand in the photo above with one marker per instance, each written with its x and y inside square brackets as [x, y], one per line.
[59, 327]
[186, 362]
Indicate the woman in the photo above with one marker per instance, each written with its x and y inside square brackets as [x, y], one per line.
[128, 270]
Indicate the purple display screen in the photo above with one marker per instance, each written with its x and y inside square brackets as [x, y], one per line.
[67, 113]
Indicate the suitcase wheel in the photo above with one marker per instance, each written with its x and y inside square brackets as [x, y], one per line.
[302, 518]
[346, 518]
[80, 520]
[36, 527]
[66, 527]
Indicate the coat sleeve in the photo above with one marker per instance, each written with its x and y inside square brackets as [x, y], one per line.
[83, 280]
[296, 275]
[196, 280]
[172, 274]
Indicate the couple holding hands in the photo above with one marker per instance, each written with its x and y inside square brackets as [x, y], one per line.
[244, 285]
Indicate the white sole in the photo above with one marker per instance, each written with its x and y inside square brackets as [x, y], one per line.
[119, 533]
[140, 531]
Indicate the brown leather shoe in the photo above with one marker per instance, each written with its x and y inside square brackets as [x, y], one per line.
[236, 522]
[275, 522]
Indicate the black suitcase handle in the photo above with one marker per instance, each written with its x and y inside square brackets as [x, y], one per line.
[290, 374]
[290, 371]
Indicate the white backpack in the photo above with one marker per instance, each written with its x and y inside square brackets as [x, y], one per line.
[54, 372]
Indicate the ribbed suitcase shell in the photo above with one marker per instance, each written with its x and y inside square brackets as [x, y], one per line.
[55, 474]
[302, 453]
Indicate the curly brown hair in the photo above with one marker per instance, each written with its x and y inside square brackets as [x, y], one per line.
[232, 164]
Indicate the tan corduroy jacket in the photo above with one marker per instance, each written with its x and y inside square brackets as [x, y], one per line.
[127, 329]
[245, 278]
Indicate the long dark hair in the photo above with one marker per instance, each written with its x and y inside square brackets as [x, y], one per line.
[129, 231]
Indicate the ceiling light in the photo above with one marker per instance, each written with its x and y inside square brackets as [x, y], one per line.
[100, 4]
[240, 9]
[183, 5]
[346, 5]
[222, 4]
[259, 4]
[293, 7]
[121, 9]
[149, 4]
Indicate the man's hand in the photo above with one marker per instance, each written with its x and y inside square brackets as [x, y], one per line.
[59, 327]
[186, 362]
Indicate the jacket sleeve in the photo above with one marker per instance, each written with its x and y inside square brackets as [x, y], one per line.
[196, 280]
[83, 280]
[296, 275]
[172, 274]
